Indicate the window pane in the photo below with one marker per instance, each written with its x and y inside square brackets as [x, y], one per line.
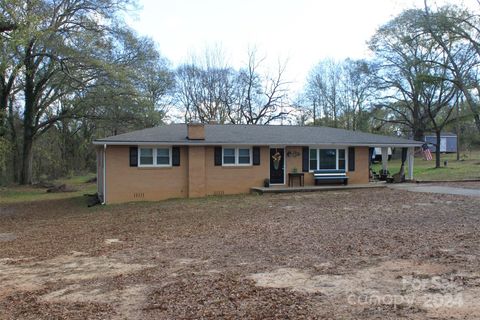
[328, 158]
[146, 160]
[341, 153]
[146, 152]
[163, 156]
[229, 152]
[244, 152]
[229, 160]
[163, 160]
[313, 164]
[244, 156]
[244, 160]
[163, 152]
[229, 156]
[146, 156]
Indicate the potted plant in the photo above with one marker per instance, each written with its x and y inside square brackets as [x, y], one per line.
[294, 170]
[266, 183]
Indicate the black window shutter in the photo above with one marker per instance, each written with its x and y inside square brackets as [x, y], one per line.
[256, 156]
[351, 159]
[305, 159]
[133, 156]
[218, 156]
[176, 156]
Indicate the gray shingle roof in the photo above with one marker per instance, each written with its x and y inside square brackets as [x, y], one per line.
[216, 134]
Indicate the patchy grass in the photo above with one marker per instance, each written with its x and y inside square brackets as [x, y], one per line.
[12, 194]
[467, 168]
[76, 180]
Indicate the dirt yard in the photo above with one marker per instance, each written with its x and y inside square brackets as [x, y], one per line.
[357, 254]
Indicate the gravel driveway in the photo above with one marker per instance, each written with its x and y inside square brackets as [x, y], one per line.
[442, 189]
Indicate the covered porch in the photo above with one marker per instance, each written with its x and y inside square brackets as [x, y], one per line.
[407, 155]
[350, 165]
[351, 168]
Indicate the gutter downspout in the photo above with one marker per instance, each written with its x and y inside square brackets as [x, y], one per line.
[104, 201]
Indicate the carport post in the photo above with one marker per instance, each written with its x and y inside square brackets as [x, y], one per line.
[384, 159]
[410, 158]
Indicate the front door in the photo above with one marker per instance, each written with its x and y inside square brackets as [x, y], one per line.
[277, 165]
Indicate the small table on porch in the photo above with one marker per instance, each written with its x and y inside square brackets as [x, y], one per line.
[299, 175]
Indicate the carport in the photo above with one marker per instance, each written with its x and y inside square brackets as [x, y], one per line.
[408, 158]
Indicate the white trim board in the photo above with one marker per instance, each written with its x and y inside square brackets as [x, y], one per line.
[154, 156]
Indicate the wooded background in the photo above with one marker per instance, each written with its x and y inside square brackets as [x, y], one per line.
[73, 70]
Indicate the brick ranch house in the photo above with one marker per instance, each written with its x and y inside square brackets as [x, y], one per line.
[196, 160]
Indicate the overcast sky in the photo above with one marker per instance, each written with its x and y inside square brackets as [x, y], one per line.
[300, 31]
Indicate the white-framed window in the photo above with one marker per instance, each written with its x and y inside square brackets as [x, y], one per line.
[327, 158]
[154, 157]
[236, 156]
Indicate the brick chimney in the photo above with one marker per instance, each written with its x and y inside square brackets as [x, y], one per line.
[195, 131]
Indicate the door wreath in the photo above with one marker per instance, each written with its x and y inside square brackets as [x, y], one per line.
[276, 160]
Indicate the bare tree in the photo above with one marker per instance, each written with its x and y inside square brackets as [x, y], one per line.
[339, 92]
[212, 91]
[205, 88]
[358, 91]
[261, 98]
[205, 94]
[323, 87]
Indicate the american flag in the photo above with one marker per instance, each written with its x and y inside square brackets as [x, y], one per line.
[427, 155]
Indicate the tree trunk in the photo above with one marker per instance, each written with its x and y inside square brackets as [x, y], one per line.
[3, 114]
[28, 117]
[418, 134]
[28, 134]
[437, 149]
[3, 131]
[314, 113]
[471, 103]
[457, 129]
[27, 161]
[13, 142]
[476, 117]
[15, 161]
[418, 126]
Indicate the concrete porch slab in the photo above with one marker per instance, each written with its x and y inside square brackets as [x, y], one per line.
[282, 189]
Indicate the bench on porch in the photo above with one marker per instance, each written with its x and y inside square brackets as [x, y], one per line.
[330, 175]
